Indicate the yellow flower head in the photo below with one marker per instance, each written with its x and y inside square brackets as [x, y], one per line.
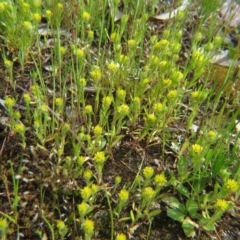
[94, 188]
[96, 74]
[37, 17]
[148, 172]
[160, 180]
[60, 224]
[80, 53]
[59, 102]
[27, 25]
[88, 109]
[107, 100]
[161, 44]
[3, 224]
[86, 16]
[81, 160]
[123, 195]
[148, 193]
[82, 82]
[20, 128]
[62, 50]
[121, 236]
[83, 209]
[87, 174]
[195, 94]
[197, 149]
[231, 185]
[167, 82]
[221, 204]
[26, 98]
[60, 6]
[151, 119]
[86, 193]
[10, 102]
[172, 94]
[99, 157]
[123, 109]
[113, 66]
[88, 227]
[162, 64]
[44, 107]
[121, 94]
[48, 13]
[158, 107]
[132, 43]
[118, 180]
[8, 64]
[97, 130]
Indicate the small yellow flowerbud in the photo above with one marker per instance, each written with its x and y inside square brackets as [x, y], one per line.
[121, 94]
[80, 53]
[44, 108]
[48, 13]
[87, 174]
[62, 50]
[27, 25]
[112, 66]
[82, 82]
[118, 180]
[132, 43]
[60, 6]
[97, 130]
[88, 109]
[8, 64]
[167, 82]
[90, 34]
[26, 98]
[158, 107]
[161, 44]
[59, 102]
[81, 160]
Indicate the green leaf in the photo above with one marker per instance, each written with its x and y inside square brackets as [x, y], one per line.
[176, 214]
[188, 227]
[183, 190]
[154, 213]
[209, 226]
[218, 164]
[199, 184]
[172, 202]
[192, 207]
